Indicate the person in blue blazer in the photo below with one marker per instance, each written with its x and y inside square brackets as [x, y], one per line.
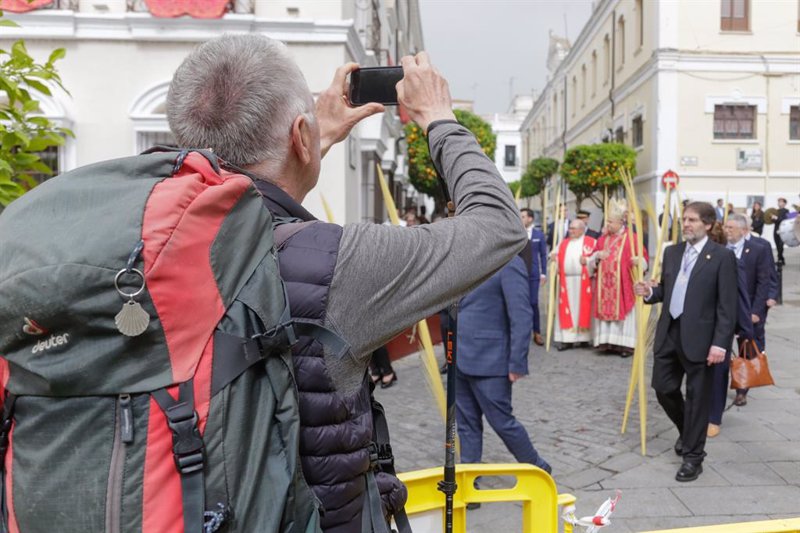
[494, 333]
[744, 332]
[538, 273]
[756, 261]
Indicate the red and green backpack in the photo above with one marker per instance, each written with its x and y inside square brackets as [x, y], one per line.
[145, 365]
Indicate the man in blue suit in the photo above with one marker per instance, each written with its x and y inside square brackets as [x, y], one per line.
[757, 261]
[538, 265]
[494, 332]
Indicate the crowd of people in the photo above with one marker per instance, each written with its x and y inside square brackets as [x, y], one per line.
[595, 297]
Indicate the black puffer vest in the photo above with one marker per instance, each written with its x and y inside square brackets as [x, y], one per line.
[336, 429]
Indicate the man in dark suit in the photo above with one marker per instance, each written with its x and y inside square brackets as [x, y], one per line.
[779, 217]
[538, 274]
[694, 331]
[756, 261]
[494, 332]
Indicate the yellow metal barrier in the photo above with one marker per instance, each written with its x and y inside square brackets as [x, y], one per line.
[540, 501]
[534, 488]
[787, 525]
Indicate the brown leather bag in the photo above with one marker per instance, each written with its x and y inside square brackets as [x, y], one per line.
[750, 368]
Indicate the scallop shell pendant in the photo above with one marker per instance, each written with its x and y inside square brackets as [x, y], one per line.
[132, 320]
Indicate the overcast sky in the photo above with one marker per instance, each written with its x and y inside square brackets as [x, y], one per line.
[480, 45]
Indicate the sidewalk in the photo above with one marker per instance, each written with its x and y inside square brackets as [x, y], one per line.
[572, 405]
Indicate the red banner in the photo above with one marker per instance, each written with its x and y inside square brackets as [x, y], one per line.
[201, 9]
[21, 6]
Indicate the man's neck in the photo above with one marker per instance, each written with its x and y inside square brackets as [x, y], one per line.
[283, 177]
[698, 240]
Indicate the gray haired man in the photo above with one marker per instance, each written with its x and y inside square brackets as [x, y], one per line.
[245, 98]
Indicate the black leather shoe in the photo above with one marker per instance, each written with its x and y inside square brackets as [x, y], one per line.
[385, 384]
[689, 472]
[679, 447]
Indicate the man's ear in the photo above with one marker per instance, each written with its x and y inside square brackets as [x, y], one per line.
[301, 139]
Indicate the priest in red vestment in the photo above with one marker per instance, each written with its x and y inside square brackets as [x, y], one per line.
[574, 314]
[614, 328]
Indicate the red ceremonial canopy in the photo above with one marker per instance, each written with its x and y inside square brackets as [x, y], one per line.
[21, 6]
[201, 9]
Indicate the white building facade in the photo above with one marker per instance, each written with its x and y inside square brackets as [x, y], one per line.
[506, 126]
[707, 88]
[120, 60]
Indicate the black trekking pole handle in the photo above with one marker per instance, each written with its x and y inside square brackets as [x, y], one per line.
[448, 484]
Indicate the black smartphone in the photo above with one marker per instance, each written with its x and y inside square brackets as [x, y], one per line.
[374, 84]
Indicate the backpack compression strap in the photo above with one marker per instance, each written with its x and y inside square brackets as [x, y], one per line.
[233, 355]
[187, 449]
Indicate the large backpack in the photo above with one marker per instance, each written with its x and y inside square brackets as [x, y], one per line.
[145, 335]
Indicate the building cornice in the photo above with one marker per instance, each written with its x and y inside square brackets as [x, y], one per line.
[70, 25]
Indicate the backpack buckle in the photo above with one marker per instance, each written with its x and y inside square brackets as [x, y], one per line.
[187, 444]
[380, 455]
[280, 337]
[385, 455]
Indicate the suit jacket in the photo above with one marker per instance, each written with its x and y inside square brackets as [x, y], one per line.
[755, 261]
[538, 254]
[494, 324]
[773, 272]
[710, 307]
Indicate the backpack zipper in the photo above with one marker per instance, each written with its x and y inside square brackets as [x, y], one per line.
[123, 435]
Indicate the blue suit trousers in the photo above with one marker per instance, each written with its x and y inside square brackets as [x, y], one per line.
[478, 396]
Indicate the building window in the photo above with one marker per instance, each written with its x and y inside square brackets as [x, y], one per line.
[619, 135]
[148, 139]
[594, 73]
[583, 86]
[511, 155]
[735, 15]
[637, 132]
[621, 41]
[48, 156]
[794, 123]
[734, 122]
[606, 59]
[640, 22]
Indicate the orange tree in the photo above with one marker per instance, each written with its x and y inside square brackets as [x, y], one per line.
[421, 172]
[24, 132]
[588, 169]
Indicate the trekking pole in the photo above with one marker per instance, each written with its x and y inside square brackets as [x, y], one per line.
[448, 484]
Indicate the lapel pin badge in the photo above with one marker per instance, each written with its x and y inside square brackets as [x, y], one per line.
[708, 256]
[747, 251]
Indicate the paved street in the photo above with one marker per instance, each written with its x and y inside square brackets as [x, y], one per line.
[572, 405]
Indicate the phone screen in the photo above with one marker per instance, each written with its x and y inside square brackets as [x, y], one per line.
[375, 84]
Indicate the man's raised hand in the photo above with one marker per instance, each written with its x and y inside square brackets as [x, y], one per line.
[335, 115]
[423, 92]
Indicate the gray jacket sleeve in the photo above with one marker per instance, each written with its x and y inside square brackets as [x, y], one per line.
[388, 278]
